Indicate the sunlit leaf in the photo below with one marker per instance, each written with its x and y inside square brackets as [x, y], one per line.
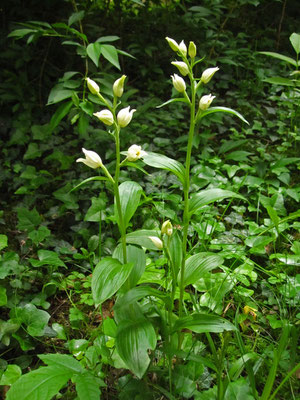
[108, 276]
[134, 339]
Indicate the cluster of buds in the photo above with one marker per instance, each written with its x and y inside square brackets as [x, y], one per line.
[166, 229]
[184, 68]
[106, 116]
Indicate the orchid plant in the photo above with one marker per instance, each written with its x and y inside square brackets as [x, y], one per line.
[136, 332]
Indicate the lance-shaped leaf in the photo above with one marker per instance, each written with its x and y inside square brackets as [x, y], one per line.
[177, 99]
[227, 110]
[138, 293]
[279, 57]
[130, 194]
[163, 162]
[137, 257]
[108, 276]
[43, 383]
[92, 178]
[87, 386]
[208, 196]
[141, 238]
[134, 338]
[200, 323]
[198, 264]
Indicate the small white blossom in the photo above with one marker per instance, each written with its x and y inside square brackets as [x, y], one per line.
[105, 116]
[167, 228]
[92, 159]
[135, 152]
[157, 242]
[205, 102]
[182, 48]
[118, 86]
[92, 85]
[173, 44]
[182, 67]
[208, 74]
[178, 83]
[124, 116]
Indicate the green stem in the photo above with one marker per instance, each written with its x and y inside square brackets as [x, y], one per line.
[186, 217]
[117, 195]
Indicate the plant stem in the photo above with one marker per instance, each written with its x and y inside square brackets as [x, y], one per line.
[117, 195]
[186, 217]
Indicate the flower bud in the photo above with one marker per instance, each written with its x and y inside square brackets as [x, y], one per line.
[91, 159]
[92, 85]
[192, 50]
[182, 48]
[167, 228]
[118, 86]
[208, 74]
[182, 67]
[178, 83]
[157, 242]
[105, 116]
[135, 152]
[173, 44]
[205, 102]
[124, 116]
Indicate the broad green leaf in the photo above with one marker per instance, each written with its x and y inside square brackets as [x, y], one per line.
[279, 57]
[108, 276]
[93, 213]
[28, 220]
[92, 178]
[63, 361]
[3, 241]
[200, 323]
[47, 257]
[227, 110]
[295, 40]
[110, 53]
[34, 319]
[134, 339]
[87, 386]
[41, 384]
[277, 80]
[141, 238]
[138, 293]
[94, 51]
[137, 257]
[38, 236]
[176, 99]
[59, 114]
[58, 93]
[198, 264]
[208, 196]
[130, 194]
[239, 390]
[160, 161]
[10, 375]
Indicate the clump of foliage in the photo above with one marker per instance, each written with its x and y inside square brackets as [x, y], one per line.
[172, 273]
